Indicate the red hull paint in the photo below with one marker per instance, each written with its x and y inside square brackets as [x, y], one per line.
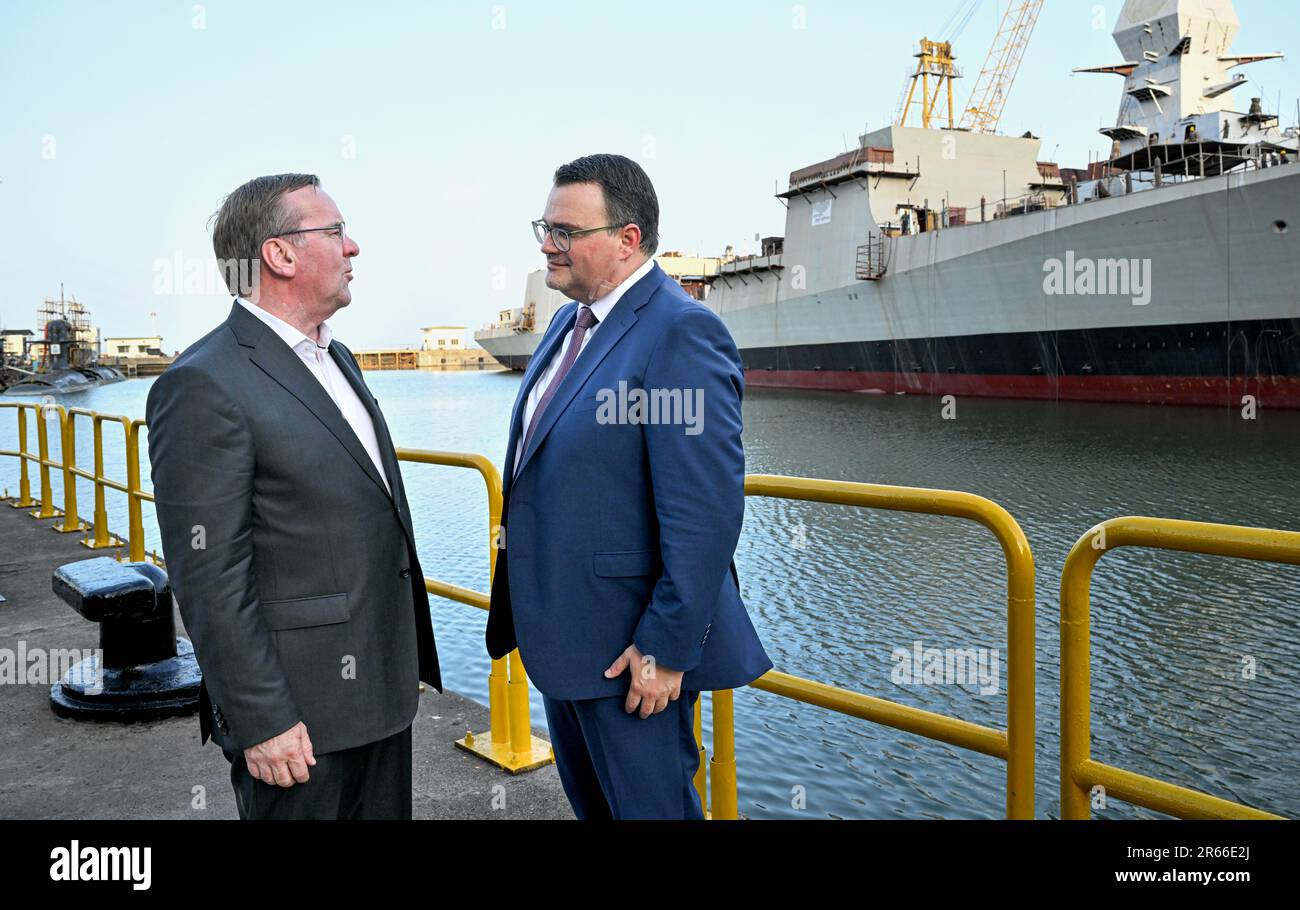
[1269, 391]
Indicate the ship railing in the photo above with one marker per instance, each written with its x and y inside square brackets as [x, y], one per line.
[1083, 779]
[1198, 165]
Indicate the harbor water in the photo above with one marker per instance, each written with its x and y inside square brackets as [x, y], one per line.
[1194, 659]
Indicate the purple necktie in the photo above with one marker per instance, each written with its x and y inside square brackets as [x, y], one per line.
[586, 319]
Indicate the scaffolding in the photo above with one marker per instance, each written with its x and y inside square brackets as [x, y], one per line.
[74, 342]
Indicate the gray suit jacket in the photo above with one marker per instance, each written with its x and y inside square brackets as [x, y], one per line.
[294, 568]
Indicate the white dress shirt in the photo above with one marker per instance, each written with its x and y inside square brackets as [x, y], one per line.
[601, 309]
[316, 356]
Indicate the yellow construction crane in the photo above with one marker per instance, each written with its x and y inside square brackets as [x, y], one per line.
[989, 97]
[935, 61]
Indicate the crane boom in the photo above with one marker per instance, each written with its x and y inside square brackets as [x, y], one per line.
[989, 97]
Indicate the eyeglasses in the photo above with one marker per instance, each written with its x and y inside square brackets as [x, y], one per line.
[338, 229]
[563, 237]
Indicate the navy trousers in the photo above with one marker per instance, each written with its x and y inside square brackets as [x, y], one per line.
[614, 765]
[367, 782]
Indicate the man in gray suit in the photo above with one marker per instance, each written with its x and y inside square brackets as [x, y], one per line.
[286, 529]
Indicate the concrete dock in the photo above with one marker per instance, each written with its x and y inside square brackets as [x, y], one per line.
[56, 768]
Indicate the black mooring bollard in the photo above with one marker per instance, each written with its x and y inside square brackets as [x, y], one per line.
[142, 671]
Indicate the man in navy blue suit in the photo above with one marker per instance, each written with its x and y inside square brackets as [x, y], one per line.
[624, 497]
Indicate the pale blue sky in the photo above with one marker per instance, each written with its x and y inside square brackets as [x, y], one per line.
[436, 127]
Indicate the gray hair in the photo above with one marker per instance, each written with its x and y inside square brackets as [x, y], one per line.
[248, 216]
[629, 195]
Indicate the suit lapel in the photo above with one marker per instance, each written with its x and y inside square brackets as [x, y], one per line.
[277, 360]
[616, 324]
[387, 451]
[536, 367]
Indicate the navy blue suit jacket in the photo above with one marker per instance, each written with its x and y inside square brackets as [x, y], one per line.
[623, 531]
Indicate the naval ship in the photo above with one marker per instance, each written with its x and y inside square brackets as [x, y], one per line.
[63, 359]
[947, 259]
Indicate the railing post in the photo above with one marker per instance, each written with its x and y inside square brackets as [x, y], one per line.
[498, 703]
[43, 450]
[133, 487]
[508, 681]
[71, 524]
[521, 732]
[510, 743]
[701, 781]
[101, 539]
[24, 500]
[722, 769]
[1020, 668]
[1016, 744]
[1079, 771]
[1076, 682]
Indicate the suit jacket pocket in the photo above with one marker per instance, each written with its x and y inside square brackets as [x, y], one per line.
[304, 612]
[623, 564]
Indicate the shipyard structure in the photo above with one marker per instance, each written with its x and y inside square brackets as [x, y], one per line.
[940, 257]
[62, 356]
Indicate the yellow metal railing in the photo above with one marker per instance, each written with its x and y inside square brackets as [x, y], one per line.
[1014, 745]
[41, 459]
[71, 522]
[1079, 772]
[102, 536]
[24, 500]
[511, 743]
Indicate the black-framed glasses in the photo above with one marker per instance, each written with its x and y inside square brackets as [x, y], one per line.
[563, 237]
[338, 229]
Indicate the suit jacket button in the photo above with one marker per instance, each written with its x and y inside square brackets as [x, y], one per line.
[405, 573]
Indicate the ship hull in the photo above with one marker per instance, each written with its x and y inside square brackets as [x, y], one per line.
[512, 350]
[970, 310]
[974, 311]
[1196, 364]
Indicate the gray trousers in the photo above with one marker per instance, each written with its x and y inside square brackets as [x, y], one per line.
[366, 782]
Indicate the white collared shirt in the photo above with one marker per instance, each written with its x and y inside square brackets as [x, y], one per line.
[601, 309]
[316, 357]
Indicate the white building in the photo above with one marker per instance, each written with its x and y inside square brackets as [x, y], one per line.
[445, 337]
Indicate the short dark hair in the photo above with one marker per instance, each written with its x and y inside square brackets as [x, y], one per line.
[250, 215]
[629, 195]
